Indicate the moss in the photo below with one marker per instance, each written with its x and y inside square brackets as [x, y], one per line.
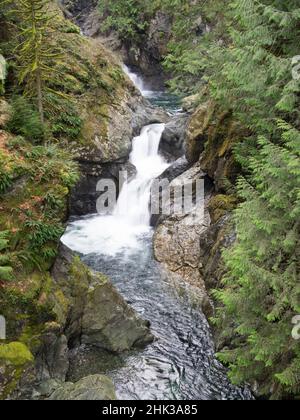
[220, 204]
[15, 353]
[61, 305]
[213, 133]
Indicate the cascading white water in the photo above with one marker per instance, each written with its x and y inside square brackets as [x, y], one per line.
[138, 82]
[131, 217]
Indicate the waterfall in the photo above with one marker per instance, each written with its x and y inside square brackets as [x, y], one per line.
[133, 202]
[131, 217]
[138, 82]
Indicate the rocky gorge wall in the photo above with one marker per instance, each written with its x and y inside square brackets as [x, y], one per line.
[145, 53]
[190, 246]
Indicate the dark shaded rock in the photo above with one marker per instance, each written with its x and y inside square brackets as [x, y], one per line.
[218, 236]
[52, 358]
[84, 196]
[176, 169]
[173, 137]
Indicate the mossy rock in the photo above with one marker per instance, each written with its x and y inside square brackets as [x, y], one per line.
[15, 353]
[221, 204]
[212, 135]
[90, 388]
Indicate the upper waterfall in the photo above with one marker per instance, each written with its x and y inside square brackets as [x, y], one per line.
[138, 82]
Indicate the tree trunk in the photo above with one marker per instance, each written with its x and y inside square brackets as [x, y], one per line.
[40, 97]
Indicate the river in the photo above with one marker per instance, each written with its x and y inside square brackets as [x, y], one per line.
[181, 362]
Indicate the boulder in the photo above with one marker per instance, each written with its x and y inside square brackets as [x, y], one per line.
[92, 310]
[173, 137]
[177, 168]
[91, 388]
[51, 361]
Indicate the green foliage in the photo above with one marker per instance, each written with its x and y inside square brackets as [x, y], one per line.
[63, 116]
[25, 121]
[6, 271]
[262, 289]
[252, 75]
[35, 214]
[130, 18]
[40, 233]
[5, 177]
[35, 50]
[245, 61]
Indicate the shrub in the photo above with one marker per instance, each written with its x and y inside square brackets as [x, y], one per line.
[25, 121]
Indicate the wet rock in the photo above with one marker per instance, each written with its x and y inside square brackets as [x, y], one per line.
[84, 196]
[144, 114]
[91, 388]
[177, 168]
[213, 133]
[173, 137]
[92, 310]
[169, 184]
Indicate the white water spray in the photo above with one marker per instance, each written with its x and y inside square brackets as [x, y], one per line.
[130, 220]
[139, 83]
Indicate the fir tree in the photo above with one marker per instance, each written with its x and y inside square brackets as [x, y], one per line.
[35, 52]
[261, 292]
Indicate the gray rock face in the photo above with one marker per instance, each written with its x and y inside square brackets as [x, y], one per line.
[92, 310]
[91, 388]
[173, 137]
[177, 240]
[52, 358]
[180, 166]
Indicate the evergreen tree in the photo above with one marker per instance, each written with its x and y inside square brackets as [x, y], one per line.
[35, 51]
[262, 288]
